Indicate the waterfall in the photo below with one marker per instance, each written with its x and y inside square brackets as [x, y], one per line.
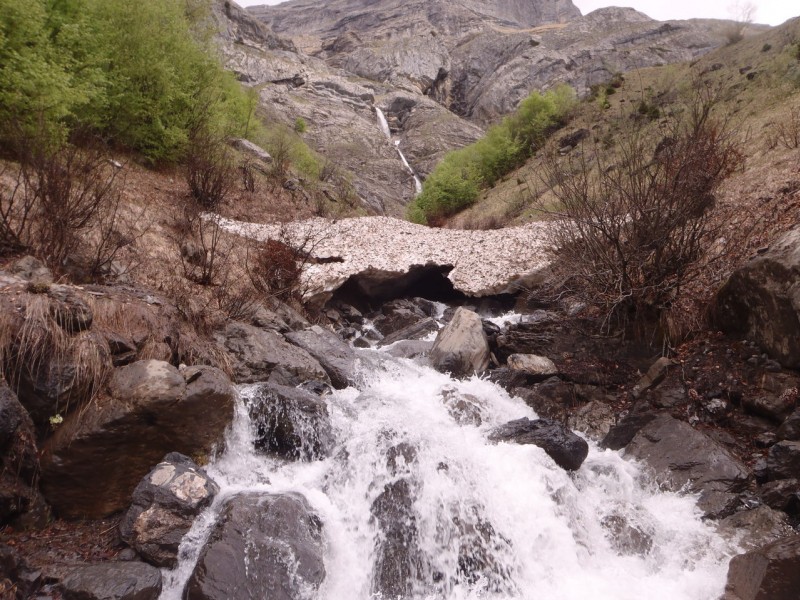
[384, 125]
[490, 521]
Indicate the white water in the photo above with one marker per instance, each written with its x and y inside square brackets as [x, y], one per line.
[384, 125]
[549, 542]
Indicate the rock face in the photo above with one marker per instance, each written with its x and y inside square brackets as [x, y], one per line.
[261, 354]
[263, 546]
[684, 458]
[113, 581]
[165, 504]
[290, 422]
[769, 573]
[95, 459]
[564, 447]
[336, 357]
[762, 301]
[461, 348]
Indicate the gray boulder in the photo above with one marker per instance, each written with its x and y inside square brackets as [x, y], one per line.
[567, 449]
[768, 573]
[261, 355]
[415, 331]
[790, 428]
[461, 348]
[683, 458]
[263, 546]
[761, 300]
[165, 504]
[336, 357]
[112, 581]
[756, 527]
[95, 459]
[595, 419]
[783, 461]
[290, 422]
[531, 364]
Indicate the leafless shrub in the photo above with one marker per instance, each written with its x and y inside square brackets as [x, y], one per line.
[274, 268]
[210, 171]
[786, 132]
[631, 225]
[199, 239]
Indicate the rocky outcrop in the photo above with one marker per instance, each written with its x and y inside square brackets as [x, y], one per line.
[336, 357]
[260, 355]
[567, 449]
[290, 422]
[112, 581]
[682, 458]
[768, 573]
[761, 300]
[263, 546]
[461, 348]
[95, 459]
[164, 506]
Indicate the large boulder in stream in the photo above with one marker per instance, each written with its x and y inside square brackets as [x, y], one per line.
[761, 300]
[165, 504]
[263, 546]
[768, 573]
[262, 354]
[461, 348]
[683, 458]
[336, 357]
[566, 448]
[95, 459]
[290, 422]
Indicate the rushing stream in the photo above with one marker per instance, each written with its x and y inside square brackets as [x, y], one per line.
[532, 530]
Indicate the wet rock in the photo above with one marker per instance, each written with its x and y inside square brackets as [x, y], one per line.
[263, 546]
[397, 315]
[465, 409]
[290, 422]
[567, 449]
[259, 355]
[123, 350]
[552, 398]
[538, 366]
[621, 434]
[761, 301]
[399, 562]
[70, 308]
[783, 460]
[95, 459]
[410, 349]
[684, 458]
[412, 332]
[771, 572]
[595, 419]
[478, 549]
[783, 494]
[163, 508]
[629, 539]
[127, 580]
[755, 528]
[16, 575]
[400, 457]
[336, 357]
[461, 347]
[19, 462]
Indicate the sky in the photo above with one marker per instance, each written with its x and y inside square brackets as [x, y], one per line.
[772, 12]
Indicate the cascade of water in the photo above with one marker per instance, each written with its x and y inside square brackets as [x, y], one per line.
[384, 125]
[485, 520]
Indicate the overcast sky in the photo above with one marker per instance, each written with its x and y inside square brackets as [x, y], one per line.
[773, 12]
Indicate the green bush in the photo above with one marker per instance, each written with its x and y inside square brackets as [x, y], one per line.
[143, 78]
[456, 182]
[300, 125]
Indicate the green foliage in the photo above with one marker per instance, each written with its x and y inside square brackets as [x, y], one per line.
[456, 182]
[144, 78]
[300, 125]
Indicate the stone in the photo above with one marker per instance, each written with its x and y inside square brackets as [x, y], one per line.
[771, 572]
[336, 357]
[461, 347]
[783, 494]
[627, 538]
[761, 300]
[775, 408]
[261, 355]
[683, 458]
[397, 315]
[783, 460]
[290, 422]
[790, 428]
[410, 349]
[17, 575]
[621, 434]
[551, 399]
[19, 461]
[756, 527]
[415, 331]
[251, 149]
[567, 449]
[655, 375]
[70, 308]
[595, 419]
[95, 459]
[539, 366]
[263, 546]
[465, 409]
[33, 270]
[163, 508]
[126, 580]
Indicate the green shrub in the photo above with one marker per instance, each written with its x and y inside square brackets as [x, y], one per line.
[456, 182]
[300, 125]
